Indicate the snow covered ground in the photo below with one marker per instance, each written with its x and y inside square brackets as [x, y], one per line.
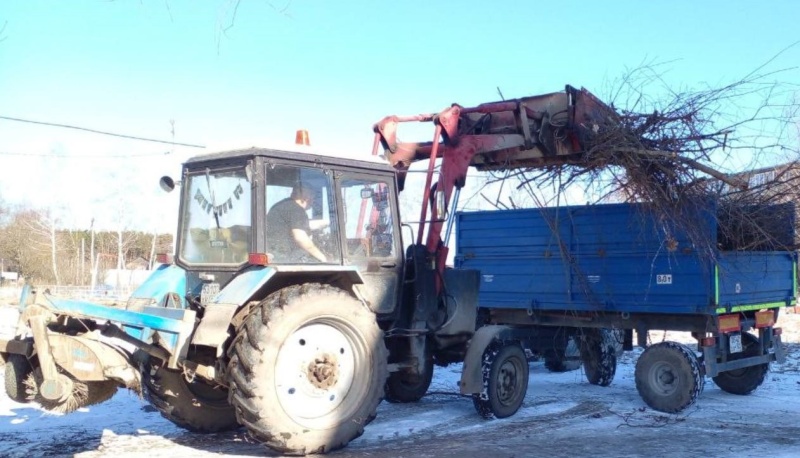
[563, 416]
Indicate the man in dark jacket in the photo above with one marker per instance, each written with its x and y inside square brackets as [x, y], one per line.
[289, 229]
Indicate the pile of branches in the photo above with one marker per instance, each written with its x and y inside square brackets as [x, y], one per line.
[670, 153]
[762, 217]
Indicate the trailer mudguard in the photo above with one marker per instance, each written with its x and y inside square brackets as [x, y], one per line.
[213, 329]
[472, 373]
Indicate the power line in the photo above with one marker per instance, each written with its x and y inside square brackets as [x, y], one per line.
[89, 156]
[132, 137]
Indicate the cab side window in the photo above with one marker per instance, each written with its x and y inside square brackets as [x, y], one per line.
[369, 228]
[300, 198]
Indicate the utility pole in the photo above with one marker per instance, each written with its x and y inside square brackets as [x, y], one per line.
[91, 256]
[83, 260]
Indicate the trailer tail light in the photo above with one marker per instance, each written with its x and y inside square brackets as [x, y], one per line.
[164, 258]
[729, 323]
[258, 259]
[708, 341]
[777, 332]
[765, 319]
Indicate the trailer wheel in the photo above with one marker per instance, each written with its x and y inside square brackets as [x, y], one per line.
[743, 381]
[18, 368]
[669, 377]
[505, 381]
[195, 406]
[599, 356]
[307, 369]
[404, 387]
[567, 362]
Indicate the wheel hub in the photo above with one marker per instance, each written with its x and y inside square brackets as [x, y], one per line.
[508, 382]
[663, 379]
[666, 377]
[323, 371]
[315, 371]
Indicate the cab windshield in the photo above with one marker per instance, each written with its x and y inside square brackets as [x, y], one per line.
[216, 220]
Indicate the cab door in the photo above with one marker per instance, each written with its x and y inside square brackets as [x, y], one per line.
[371, 236]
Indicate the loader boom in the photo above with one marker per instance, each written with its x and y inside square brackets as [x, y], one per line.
[537, 131]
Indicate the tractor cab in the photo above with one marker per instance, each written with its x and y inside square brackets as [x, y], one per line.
[297, 213]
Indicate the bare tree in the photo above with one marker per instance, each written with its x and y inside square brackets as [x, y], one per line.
[668, 151]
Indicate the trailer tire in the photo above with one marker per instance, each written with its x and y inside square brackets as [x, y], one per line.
[505, 381]
[196, 406]
[18, 368]
[402, 387]
[562, 364]
[599, 356]
[746, 380]
[307, 369]
[669, 377]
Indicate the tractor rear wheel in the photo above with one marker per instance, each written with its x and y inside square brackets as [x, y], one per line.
[195, 406]
[307, 369]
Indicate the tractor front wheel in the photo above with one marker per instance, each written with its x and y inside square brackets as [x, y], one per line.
[193, 405]
[18, 368]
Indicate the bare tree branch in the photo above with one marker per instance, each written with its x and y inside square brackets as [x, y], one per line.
[677, 152]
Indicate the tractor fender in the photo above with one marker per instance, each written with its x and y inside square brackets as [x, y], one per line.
[166, 279]
[213, 328]
[472, 372]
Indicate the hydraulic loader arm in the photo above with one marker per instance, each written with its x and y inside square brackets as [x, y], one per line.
[535, 131]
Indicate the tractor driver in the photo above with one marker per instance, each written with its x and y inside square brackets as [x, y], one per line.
[289, 229]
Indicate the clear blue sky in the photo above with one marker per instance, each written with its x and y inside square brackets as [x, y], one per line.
[332, 67]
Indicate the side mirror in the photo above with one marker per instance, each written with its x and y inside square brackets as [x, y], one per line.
[168, 184]
[366, 193]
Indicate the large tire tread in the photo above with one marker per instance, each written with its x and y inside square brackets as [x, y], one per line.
[17, 369]
[166, 390]
[682, 364]
[488, 403]
[599, 356]
[401, 388]
[743, 381]
[264, 419]
[562, 361]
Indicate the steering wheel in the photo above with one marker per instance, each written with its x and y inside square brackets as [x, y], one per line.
[323, 240]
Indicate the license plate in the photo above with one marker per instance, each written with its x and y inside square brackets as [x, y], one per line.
[735, 343]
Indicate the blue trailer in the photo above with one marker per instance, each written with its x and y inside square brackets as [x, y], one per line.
[620, 266]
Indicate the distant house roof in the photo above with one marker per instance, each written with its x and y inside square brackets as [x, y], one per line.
[138, 264]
